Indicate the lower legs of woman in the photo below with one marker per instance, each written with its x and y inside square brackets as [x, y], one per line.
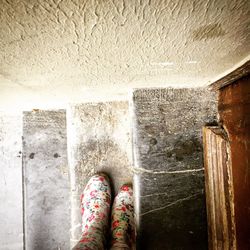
[122, 220]
[96, 203]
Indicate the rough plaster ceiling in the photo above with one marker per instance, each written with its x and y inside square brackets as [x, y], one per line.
[59, 51]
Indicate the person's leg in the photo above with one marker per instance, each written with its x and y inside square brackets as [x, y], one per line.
[122, 220]
[95, 201]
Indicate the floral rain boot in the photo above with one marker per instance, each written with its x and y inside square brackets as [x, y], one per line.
[95, 203]
[122, 220]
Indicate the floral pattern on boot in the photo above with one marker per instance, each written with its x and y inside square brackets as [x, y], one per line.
[122, 220]
[95, 204]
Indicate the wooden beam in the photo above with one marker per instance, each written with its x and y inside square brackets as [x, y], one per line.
[231, 77]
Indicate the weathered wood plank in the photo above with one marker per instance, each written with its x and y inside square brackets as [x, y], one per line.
[234, 111]
[219, 190]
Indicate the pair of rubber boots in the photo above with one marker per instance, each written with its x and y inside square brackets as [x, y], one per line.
[99, 231]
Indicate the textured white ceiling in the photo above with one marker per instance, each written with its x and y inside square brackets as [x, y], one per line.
[59, 51]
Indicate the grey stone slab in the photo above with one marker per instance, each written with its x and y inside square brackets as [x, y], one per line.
[47, 199]
[99, 139]
[169, 174]
[11, 209]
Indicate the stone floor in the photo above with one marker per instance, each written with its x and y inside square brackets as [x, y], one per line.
[46, 180]
[99, 140]
[11, 203]
[48, 156]
[169, 173]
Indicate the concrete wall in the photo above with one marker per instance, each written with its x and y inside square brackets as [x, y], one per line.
[99, 139]
[169, 179]
[47, 207]
[11, 209]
